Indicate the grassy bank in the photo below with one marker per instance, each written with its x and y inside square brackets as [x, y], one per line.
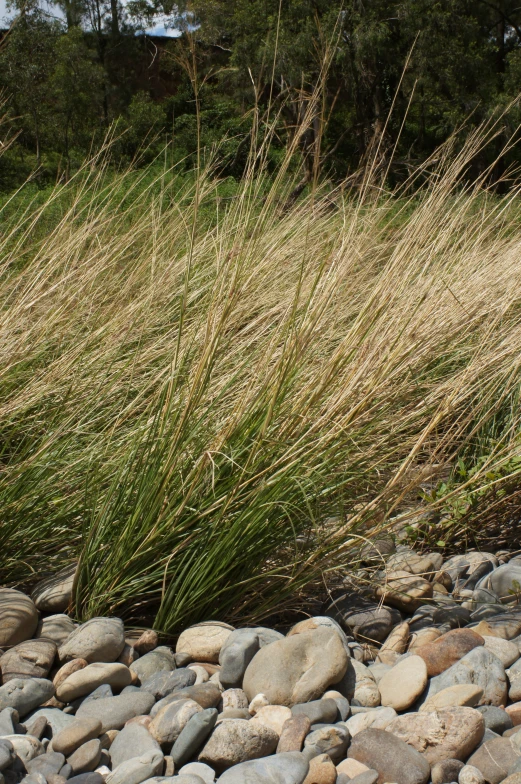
[192, 386]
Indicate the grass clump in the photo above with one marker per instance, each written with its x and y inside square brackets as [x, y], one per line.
[208, 401]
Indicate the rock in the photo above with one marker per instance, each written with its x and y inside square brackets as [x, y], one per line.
[147, 641]
[239, 649]
[87, 778]
[514, 676]
[331, 739]
[47, 764]
[378, 719]
[204, 641]
[37, 728]
[68, 669]
[369, 777]
[452, 614]
[166, 725]
[234, 713]
[342, 704]
[157, 660]
[78, 732]
[18, 617]
[273, 716]
[234, 698]
[505, 582]
[136, 770]
[56, 628]
[362, 617]
[207, 695]
[86, 758]
[205, 772]
[495, 718]
[514, 711]
[134, 740]
[396, 642]
[289, 768]
[29, 659]
[494, 758]
[115, 711]
[6, 754]
[403, 684]
[507, 652]
[86, 679]
[320, 620]
[294, 730]
[448, 649]
[359, 685]
[56, 719]
[394, 760]
[423, 637]
[404, 591]
[461, 695]
[425, 565]
[54, 594]
[258, 702]
[317, 711]
[201, 675]
[450, 733]
[469, 568]
[297, 668]
[321, 771]
[507, 626]
[514, 778]
[479, 667]
[193, 735]
[165, 682]
[470, 775]
[25, 694]
[127, 656]
[97, 640]
[236, 741]
[8, 717]
[351, 768]
[446, 771]
[25, 746]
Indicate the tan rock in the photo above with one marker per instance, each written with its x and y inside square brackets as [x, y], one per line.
[423, 637]
[54, 593]
[143, 720]
[18, 617]
[84, 681]
[236, 741]
[147, 642]
[506, 651]
[514, 711]
[259, 701]
[167, 724]
[29, 659]
[395, 643]
[67, 669]
[321, 771]
[377, 719]
[460, 695]
[108, 738]
[273, 716]
[203, 642]
[201, 674]
[351, 767]
[448, 649]
[404, 683]
[405, 591]
[128, 655]
[293, 734]
[75, 735]
[234, 698]
[450, 733]
[86, 758]
[425, 565]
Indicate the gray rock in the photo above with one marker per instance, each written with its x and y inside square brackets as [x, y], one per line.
[134, 740]
[34, 778]
[235, 740]
[166, 681]
[455, 616]
[25, 694]
[494, 758]
[496, 719]
[469, 568]
[56, 628]
[359, 686]
[56, 719]
[6, 754]
[98, 640]
[29, 659]
[47, 764]
[332, 740]
[100, 693]
[446, 771]
[87, 778]
[18, 617]
[54, 594]
[362, 617]
[8, 718]
[479, 667]
[114, 712]
[193, 735]
[235, 655]
[161, 658]
[394, 759]
[136, 770]
[86, 758]
[298, 668]
[75, 734]
[26, 747]
[205, 772]
[514, 676]
[207, 695]
[324, 711]
[286, 768]
[369, 777]
[505, 582]
[166, 726]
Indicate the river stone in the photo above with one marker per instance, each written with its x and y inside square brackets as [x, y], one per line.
[415, 563]
[193, 735]
[203, 641]
[18, 617]
[288, 768]
[56, 628]
[134, 740]
[494, 758]
[446, 771]
[67, 669]
[472, 564]
[166, 681]
[506, 625]
[442, 653]
[166, 725]
[317, 711]
[403, 684]
[392, 758]
[87, 778]
[351, 768]
[507, 652]
[86, 757]
[233, 699]
[114, 712]
[450, 733]
[363, 618]
[97, 640]
[297, 668]
[423, 637]
[331, 739]
[47, 764]
[359, 685]
[274, 716]
[25, 694]
[478, 667]
[321, 771]
[236, 741]
[461, 695]
[6, 754]
[496, 719]
[26, 746]
[53, 594]
[404, 591]
[378, 719]
[294, 731]
[239, 649]
[8, 718]
[157, 660]
[470, 775]
[29, 659]
[79, 731]
[137, 769]
[84, 681]
[505, 582]
[56, 719]
[207, 695]
[320, 620]
[205, 772]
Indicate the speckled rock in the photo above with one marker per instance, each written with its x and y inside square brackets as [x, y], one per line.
[479, 667]
[273, 716]
[331, 739]
[321, 771]
[289, 768]
[98, 640]
[26, 747]
[392, 758]
[236, 741]
[294, 731]
[446, 771]
[29, 659]
[203, 641]
[18, 617]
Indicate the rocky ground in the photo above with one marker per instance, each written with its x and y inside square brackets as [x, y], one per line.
[414, 680]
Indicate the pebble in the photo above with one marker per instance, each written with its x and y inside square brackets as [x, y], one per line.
[233, 698]
[360, 685]
[86, 758]
[115, 711]
[507, 626]
[294, 730]
[297, 668]
[98, 640]
[134, 740]
[18, 617]
[317, 711]
[157, 660]
[446, 771]
[54, 594]
[448, 649]
[136, 770]
[289, 768]
[6, 754]
[478, 667]
[449, 733]
[86, 679]
[205, 772]
[166, 725]
[146, 642]
[332, 740]
[201, 675]
[494, 758]
[56, 628]
[362, 617]
[321, 771]
[25, 746]
[506, 651]
[79, 731]
[29, 659]
[203, 641]
[514, 712]
[495, 718]
[405, 591]
[275, 716]
[351, 768]
[56, 719]
[207, 695]
[463, 694]
[68, 669]
[164, 682]
[470, 775]
[236, 741]
[25, 694]
[379, 719]
[402, 685]
[193, 735]
[392, 758]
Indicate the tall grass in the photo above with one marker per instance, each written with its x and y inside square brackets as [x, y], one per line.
[209, 404]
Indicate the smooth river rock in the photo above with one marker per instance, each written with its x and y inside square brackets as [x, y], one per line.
[402, 685]
[25, 694]
[236, 740]
[18, 617]
[392, 758]
[203, 641]
[86, 679]
[114, 712]
[494, 758]
[450, 733]
[448, 649]
[98, 640]
[479, 667]
[29, 659]
[53, 594]
[286, 768]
